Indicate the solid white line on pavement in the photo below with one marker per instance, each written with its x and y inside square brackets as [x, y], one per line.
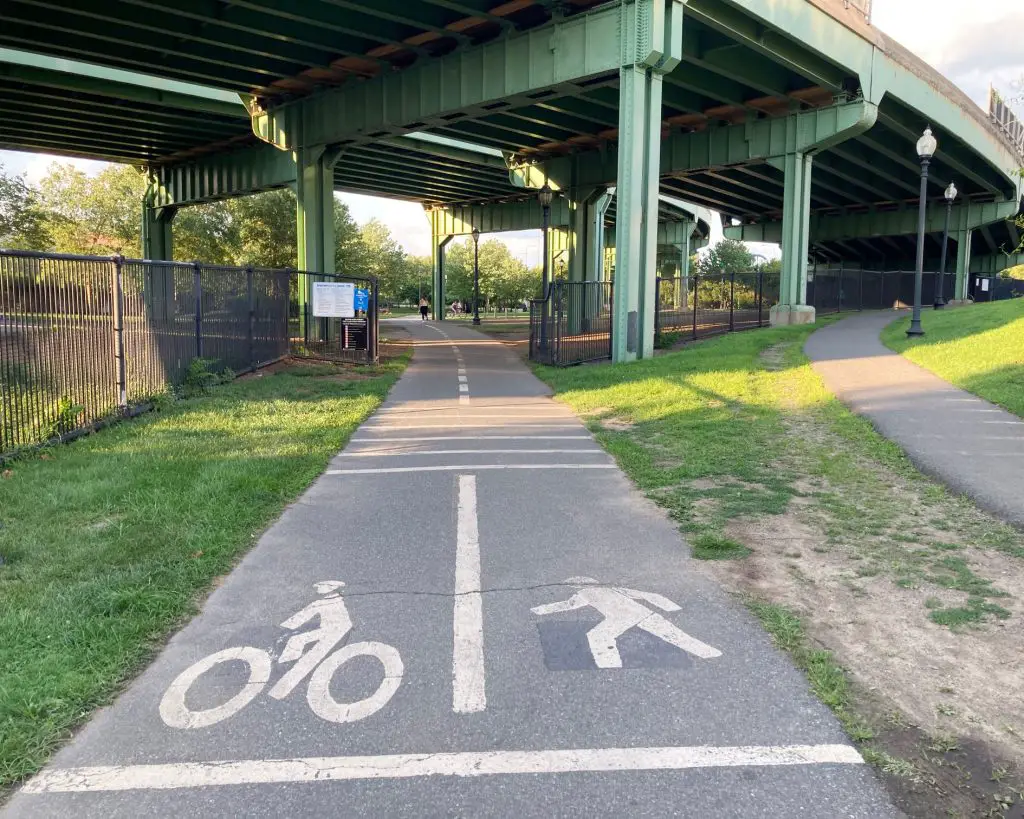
[471, 438]
[405, 766]
[463, 468]
[468, 695]
[379, 453]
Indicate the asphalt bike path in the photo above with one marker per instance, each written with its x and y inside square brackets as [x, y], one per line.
[976, 448]
[472, 612]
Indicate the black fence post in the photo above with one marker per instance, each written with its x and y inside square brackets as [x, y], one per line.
[761, 295]
[117, 303]
[696, 282]
[839, 293]
[732, 301]
[559, 295]
[657, 308]
[372, 316]
[251, 296]
[861, 288]
[197, 286]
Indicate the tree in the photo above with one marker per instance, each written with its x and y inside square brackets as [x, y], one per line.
[206, 233]
[385, 259]
[265, 224]
[350, 256]
[23, 223]
[95, 215]
[728, 256]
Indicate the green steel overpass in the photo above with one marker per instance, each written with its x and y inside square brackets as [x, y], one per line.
[795, 119]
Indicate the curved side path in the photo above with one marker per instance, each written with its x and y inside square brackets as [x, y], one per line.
[974, 447]
[471, 613]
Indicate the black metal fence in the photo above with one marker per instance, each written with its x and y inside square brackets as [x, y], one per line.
[84, 338]
[700, 306]
[834, 289]
[573, 325]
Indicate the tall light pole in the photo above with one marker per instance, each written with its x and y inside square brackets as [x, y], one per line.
[940, 288]
[926, 146]
[476, 276]
[544, 196]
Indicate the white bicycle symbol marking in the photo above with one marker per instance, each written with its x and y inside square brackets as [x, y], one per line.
[315, 663]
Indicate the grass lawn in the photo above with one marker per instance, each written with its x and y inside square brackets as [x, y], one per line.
[109, 543]
[979, 348]
[855, 562]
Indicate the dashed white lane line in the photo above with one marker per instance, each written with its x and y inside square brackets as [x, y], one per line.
[463, 387]
[463, 399]
[525, 424]
[468, 689]
[463, 468]
[463, 379]
[405, 766]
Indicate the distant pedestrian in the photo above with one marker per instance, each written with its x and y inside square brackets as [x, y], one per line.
[424, 307]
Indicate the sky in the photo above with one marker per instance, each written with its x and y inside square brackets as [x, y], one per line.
[972, 43]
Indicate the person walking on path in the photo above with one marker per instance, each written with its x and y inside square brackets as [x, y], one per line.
[424, 307]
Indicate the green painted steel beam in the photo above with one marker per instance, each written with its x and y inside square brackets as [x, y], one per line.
[71, 75]
[221, 176]
[77, 138]
[854, 176]
[464, 83]
[952, 155]
[718, 147]
[156, 24]
[751, 32]
[61, 148]
[965, 216]
[382, 177]
[461, 155]
[993, 263]
[31, 108]
[882, 68]
[104, 48]
[870, 165]
[471, 182]
[447, 169]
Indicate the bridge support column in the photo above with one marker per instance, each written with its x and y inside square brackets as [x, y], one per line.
[963, 262]
[796, 214]
[158, 233]
[438, 243]
[314, 195]
[657, 49]
[158, 245]
[683, 285]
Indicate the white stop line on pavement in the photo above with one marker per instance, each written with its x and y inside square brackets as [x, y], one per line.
[406, 766]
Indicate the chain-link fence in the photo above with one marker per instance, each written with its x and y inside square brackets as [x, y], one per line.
[84, 339]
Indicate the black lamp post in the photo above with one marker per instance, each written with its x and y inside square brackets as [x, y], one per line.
[940, 300]
[926, 146]
[544, 196]
[476, 276]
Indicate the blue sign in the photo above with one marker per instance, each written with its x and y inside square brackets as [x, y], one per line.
[362, 299]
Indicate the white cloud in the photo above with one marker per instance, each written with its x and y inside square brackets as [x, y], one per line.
[972, 43]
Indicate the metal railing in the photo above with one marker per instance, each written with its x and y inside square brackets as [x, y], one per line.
[84, 339]
[1005, 120]
[835, 289]
[704, 305]
[573, 325]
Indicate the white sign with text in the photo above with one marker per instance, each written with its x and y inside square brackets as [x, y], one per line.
[334, 299]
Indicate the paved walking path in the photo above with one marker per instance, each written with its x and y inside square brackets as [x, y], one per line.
[520, 632]
[972, 446]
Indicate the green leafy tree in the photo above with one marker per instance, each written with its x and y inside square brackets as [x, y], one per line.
[95, 215]
[350, 256]
[265, 225]
[385, 259]
[206, 233]
[23, 223]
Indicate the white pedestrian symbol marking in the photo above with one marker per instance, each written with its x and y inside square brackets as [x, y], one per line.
[334, 625]
[623, 609]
